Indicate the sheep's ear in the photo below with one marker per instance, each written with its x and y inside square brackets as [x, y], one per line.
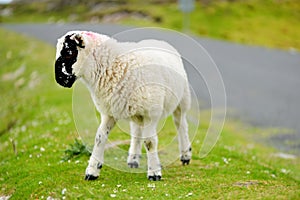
[78, 38]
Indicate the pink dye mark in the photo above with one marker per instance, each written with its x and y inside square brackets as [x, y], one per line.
[90, 34]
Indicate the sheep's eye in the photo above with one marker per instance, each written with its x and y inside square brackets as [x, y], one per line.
[68, 53]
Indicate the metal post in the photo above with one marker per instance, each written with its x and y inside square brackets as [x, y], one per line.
[186, 6]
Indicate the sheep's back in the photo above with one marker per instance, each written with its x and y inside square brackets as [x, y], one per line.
[154, 82]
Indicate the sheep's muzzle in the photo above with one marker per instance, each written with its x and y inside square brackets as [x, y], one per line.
[62, 76]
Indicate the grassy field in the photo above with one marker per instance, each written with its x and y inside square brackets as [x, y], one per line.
[269, 23]
[37, 127]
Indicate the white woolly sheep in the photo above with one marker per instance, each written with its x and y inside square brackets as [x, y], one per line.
[141, 82]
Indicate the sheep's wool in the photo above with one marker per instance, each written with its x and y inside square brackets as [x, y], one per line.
[141, 82]
[128, 80]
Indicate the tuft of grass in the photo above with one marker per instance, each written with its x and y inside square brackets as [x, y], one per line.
[37, 128]
[76, 150]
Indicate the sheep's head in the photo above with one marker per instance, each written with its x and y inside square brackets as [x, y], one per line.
[66, 57]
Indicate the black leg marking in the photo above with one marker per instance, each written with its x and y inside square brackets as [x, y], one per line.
[154, 178]
[133, 164]
[98, 140]
[99, 165]
[89, 177]
[184, 160]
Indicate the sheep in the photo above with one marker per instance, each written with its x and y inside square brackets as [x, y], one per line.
[140, 82]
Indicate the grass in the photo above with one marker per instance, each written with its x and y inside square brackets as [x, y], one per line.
[269, 23]
[37, 128]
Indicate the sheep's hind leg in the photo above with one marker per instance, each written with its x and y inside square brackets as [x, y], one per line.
[181, 124]
[134, 153]
[151, 144]
[96, 160]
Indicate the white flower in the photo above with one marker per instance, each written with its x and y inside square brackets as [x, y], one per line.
[273, 175]
[63, 192]
[113, 195]
[225, 160]
[285, 171]
[189, 194]
[151, 185]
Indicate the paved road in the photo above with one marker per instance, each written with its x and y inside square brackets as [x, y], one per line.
[262, 85]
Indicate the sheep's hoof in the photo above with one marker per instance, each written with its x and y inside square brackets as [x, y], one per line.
[185, 162]
[133, 164]
[89, 177]
[154, 178]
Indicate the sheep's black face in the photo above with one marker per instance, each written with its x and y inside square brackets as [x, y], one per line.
[63, 65]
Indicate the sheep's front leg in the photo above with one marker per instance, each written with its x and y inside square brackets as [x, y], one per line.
[134, 153]
[151, 143]
[97, 158]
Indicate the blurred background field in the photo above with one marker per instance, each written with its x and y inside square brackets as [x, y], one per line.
[268, 23]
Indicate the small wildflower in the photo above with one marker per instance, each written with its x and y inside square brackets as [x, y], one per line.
[113, 195]
[285, 171]
[63, 192]
[189, 194]
[151, 185]
[225, 160]
[273, 175]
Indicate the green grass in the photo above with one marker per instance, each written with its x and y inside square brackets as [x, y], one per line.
[37, 127]
[269, 23]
